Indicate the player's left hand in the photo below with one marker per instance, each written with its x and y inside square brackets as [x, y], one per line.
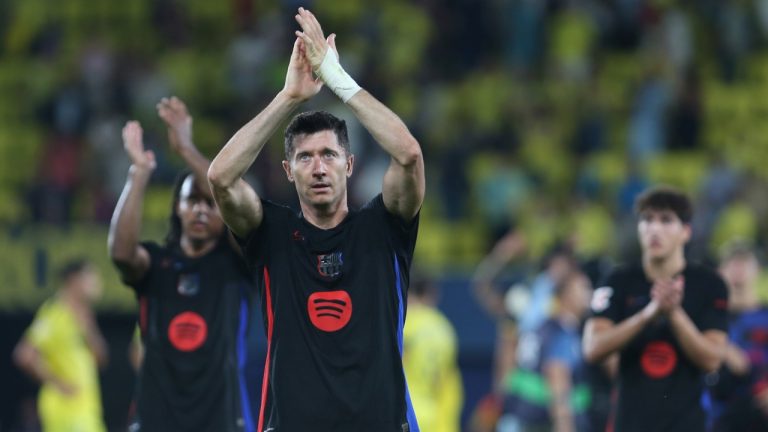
[174, 113]
[669, 293]
[315, 43]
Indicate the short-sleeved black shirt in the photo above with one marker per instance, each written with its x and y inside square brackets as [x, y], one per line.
[193, 318]
[659, 387]
[334, 308]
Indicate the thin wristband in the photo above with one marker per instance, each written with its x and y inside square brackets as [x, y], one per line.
[336, 78]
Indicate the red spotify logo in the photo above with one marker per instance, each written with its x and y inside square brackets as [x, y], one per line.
[329, 311]
[187, 331]
[659, 359]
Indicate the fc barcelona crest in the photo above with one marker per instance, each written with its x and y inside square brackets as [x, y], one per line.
[329, 265]
[189, 285]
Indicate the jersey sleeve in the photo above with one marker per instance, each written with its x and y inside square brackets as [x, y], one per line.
[401, 232]
[155, 252]
[714, 315]
[607, 299]
[256, 243]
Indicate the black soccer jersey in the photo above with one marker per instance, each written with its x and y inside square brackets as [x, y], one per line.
[334, 308]
[193, 318]
[660, 389]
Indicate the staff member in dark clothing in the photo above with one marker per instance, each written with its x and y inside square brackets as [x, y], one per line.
[194, 295]
[667, 319]
[333, 280]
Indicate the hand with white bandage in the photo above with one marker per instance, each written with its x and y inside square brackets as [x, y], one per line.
[322, 54]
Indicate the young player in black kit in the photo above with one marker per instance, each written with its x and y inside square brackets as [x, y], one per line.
[194, 295]
[666, 318]
[333, 280]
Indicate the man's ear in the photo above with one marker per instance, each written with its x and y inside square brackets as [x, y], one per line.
[350, 165]
[287, 168]
[688, 232]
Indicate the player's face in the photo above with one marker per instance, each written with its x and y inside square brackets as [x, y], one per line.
[662, 233]
[319, 167]
[200, 217]
[740, 274]
[578, 294]
[89, 283]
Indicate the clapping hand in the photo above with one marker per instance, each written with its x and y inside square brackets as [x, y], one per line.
[134, 146]
[176, 117]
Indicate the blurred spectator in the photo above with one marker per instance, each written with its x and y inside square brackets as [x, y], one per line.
[61, 350]
[559, 264]
[523, 46]
[51, 197]
[548, 391]
[430, 360]
[646, 124]
[733, 38]
[686, 116]
[536, 300]
[737, 399]
[572, 38]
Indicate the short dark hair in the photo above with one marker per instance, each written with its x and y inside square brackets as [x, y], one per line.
[72, 267]
[173, 236]
[311, 122]
[665, 198]
[560, 249]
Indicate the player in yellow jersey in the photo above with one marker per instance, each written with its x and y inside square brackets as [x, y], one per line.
[62, 348]
[429, 360]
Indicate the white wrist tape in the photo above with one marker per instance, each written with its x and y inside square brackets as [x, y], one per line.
[336, 78]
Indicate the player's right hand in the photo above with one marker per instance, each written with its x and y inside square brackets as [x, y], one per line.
[174, 113]
[300, 82]
[134, 146]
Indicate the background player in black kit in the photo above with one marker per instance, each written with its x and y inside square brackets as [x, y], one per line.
[666, 318]
[333, 280]
[194, 295]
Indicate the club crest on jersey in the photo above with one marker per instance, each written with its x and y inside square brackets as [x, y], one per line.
[329, 265]
[189, 285]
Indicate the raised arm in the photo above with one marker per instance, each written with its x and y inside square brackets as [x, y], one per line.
[131, 259]
[239, 204]
[404, 184]
[504, 251]
[174, 113]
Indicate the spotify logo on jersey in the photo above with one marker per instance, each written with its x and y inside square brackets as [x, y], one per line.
[329, 311]
[187, 331]
[658, 360]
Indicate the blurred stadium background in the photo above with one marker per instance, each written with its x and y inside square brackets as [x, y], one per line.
[545, 116]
